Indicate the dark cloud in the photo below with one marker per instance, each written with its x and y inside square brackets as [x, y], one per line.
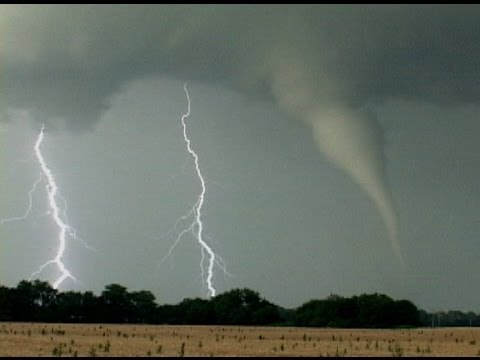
[323, 64]
[66, 61]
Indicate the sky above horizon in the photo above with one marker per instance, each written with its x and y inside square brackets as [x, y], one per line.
[339, 147]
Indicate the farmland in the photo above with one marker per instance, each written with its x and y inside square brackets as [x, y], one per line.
[41, 339]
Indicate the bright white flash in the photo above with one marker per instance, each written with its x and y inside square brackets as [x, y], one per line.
[29, 208]
[196, 227]
[52, 190]
[56, 214]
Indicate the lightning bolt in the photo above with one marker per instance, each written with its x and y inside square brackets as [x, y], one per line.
[29, 208]
[196, 227]
[56, 213]
[64, 228]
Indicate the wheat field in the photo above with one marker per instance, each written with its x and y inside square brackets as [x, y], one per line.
[39, 339]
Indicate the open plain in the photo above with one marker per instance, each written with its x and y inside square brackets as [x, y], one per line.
[40, 339]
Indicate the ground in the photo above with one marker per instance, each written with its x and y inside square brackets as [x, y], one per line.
[39, 339]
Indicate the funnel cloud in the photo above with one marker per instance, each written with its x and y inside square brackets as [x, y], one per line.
[331, 67]
[353, 142]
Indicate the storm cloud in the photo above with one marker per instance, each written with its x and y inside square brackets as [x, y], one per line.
[67, 61]
[328, 66]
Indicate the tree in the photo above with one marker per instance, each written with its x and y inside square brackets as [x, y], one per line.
[38, 301]
[234, 307]
[266, 314]
[375, 310]
[244, 307]
[405, 314]
[69, 307]
[45, 299]
[167, 314]
[196, 312]
[367, 310]
[91, 308]
[117, 304]
[312, 313]
[6, 301]
[143, 306]
[34, 301]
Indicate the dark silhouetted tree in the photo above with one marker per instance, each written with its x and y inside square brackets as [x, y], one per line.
[143, 306]
[38, 301]
[117, 304]
[70, 307]
[6, 304]
[244, 307]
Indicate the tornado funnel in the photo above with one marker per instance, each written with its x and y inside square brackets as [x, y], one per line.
[353, 141]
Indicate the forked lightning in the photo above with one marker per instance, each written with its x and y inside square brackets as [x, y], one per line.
[196, 227]
[56, 214]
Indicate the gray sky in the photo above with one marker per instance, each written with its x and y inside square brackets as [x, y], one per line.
[335, 141]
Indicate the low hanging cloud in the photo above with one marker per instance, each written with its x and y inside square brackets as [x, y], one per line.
[325, 65]
[66, 61]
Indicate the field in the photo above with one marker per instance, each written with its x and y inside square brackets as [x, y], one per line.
[27, 339]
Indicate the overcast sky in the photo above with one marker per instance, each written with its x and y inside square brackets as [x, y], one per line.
[339, 146]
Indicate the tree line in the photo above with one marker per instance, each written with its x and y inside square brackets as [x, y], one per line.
[451, 318]
[37, 301]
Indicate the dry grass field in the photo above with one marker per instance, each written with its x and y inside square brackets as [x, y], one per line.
[27, 339]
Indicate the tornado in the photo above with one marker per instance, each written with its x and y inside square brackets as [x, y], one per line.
[353, 142]
[321, 64]
[349, 138]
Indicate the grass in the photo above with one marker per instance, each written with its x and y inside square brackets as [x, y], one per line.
[27, 339]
